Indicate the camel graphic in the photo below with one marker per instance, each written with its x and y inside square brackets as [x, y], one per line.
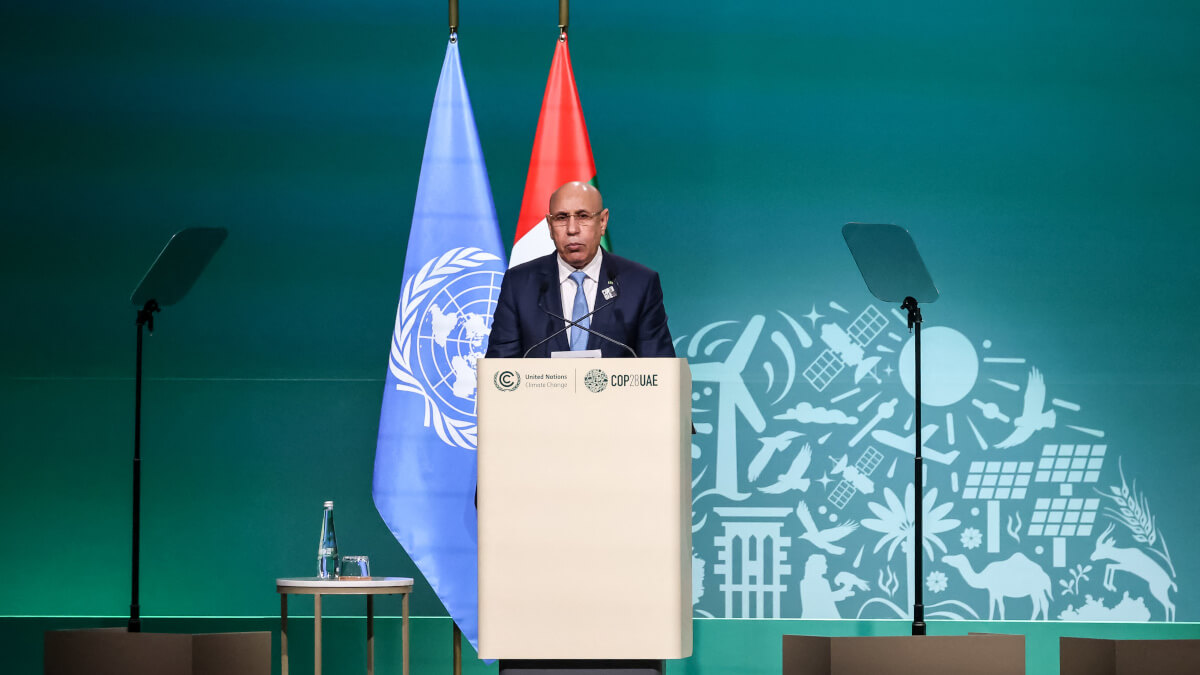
[1016, 577]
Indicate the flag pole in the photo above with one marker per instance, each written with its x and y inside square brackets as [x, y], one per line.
[456, 633]
[564, 9]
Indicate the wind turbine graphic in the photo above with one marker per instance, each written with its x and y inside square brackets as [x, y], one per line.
[732, 397]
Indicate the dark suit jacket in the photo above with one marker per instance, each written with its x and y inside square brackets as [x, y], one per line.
[637, 316]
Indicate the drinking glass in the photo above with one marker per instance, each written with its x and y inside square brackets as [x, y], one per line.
[355, 567]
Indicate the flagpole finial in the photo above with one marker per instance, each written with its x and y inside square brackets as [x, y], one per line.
[453, 20]
[564, 10]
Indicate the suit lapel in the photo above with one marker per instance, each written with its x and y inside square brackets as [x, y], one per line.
[605, 320]
[552, 300]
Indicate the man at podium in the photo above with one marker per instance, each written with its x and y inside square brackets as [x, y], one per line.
[619, 301]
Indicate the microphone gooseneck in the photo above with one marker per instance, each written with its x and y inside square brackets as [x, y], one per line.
[576, 323]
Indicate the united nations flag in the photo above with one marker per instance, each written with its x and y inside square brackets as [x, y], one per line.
[424, 484]
[442, 327]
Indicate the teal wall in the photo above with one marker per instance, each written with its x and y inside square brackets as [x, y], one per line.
[1044, 156]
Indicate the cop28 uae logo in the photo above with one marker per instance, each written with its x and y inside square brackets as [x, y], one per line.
[506, 380]
[595, 380]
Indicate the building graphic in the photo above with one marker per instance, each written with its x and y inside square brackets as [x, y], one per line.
[752, 561]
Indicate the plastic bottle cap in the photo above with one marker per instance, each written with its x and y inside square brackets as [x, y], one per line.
[329, 505]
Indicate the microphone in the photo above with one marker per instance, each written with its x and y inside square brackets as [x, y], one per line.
[576, 323]
[542, 292]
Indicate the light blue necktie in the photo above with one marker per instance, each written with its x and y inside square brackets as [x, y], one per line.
[579, 337]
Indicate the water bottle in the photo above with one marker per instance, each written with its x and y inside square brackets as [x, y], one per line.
[327, 553]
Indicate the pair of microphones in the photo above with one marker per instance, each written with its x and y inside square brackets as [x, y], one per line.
[577, 323]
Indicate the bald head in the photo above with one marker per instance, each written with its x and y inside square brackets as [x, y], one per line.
[577, 187]
[577, 221]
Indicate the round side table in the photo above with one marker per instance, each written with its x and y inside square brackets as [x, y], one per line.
[368, 586]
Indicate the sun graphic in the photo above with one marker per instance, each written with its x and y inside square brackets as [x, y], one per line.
[955, 371]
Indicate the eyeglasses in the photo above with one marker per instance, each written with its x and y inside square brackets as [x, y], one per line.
[585, 219]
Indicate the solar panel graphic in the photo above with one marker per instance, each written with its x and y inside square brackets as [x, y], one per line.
[1070, 464]
[821, 372]
[867, 326]
[997, 480]
[1063, 517]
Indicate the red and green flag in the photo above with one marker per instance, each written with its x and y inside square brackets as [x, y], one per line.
[561, 153]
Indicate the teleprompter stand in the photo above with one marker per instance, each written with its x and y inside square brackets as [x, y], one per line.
[166, 282]
[129, 650]
[894, 272]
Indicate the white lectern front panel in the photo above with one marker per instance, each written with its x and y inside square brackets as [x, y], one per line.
[584, 508]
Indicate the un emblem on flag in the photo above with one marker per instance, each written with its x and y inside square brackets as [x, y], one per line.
[442, 328]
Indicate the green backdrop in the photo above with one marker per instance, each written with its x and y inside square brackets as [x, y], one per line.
[1044, 156]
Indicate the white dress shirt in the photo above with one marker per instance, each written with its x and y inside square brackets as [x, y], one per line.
[591, 282]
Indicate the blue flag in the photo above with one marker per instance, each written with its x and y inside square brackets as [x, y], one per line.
[424, 485]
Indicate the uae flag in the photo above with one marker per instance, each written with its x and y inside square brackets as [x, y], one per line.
[561, 153]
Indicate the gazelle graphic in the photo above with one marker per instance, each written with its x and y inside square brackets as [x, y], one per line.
[1137, 563]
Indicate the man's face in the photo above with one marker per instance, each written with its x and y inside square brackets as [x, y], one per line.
[577, 239]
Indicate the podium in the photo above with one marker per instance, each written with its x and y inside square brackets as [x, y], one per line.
[116, 651]
[976, 654]
[1088, 656]
[584, 509]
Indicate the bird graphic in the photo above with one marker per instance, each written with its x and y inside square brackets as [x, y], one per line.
[770, 446]
[845, 579]
[793, 478]
[1032, 416]
[823, 539]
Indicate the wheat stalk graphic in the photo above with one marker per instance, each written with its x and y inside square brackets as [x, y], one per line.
[1130, 508]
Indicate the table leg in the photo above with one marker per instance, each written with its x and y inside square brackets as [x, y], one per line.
[457, 662]
[317, 634]
[370, 634]
[283, 656]
[404, 630]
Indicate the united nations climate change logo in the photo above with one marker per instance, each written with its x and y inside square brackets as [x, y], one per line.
[595, 380]
[507, 380]
[442, 327]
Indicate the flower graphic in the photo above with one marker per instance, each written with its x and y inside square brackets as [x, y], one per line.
[936, 582]
[971, 538]
[895, 521]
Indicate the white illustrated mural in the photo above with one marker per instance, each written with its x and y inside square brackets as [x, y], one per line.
[803, 493]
